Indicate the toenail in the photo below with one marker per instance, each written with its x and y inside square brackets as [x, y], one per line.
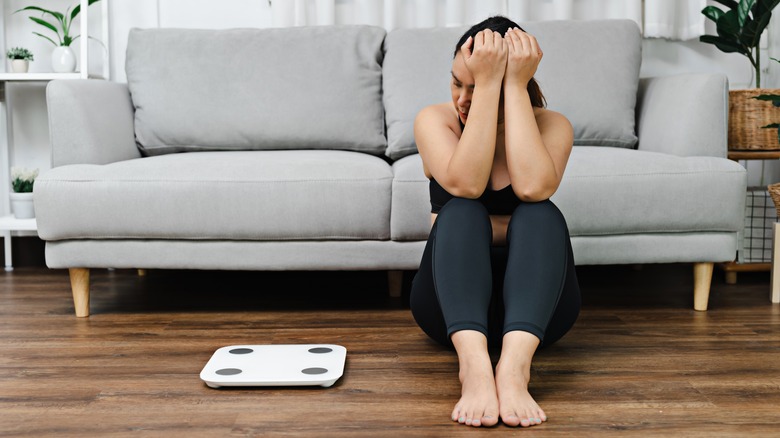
[461, 419]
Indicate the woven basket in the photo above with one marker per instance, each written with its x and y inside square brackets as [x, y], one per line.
[748, 115]
[774, 192]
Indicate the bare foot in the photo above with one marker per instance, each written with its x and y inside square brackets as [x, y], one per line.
[478, 404]
[517, 407]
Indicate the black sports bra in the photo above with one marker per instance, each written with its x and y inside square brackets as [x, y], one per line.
[499, 202]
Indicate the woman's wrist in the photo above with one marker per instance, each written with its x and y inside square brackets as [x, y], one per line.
[516, 85]
[488, 83]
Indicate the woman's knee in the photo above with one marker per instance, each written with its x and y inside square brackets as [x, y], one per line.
[538, 213]
[470, 214]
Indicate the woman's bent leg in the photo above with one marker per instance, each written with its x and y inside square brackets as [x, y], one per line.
[450, 298]
[456, 271]
[540, 271]
[541, 298]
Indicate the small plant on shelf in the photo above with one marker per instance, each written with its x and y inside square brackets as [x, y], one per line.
[60, 26]
[19, 53]
[22, 179]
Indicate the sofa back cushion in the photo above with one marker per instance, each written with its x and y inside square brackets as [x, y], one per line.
[589, 72]
[249, 89]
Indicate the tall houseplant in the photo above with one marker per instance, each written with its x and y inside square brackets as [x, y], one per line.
[63, 58]
[739, 28]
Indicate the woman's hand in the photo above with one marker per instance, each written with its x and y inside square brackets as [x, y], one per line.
[523, 56]
[485, 56]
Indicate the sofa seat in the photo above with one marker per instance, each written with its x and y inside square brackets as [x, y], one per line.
[236, 195]
[612, 191]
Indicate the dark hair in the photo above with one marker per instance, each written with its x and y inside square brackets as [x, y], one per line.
[501, 24]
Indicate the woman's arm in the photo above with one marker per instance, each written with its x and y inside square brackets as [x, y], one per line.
[462, 165]
[538, 144]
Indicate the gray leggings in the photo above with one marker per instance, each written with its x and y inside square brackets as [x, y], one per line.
[465, 283]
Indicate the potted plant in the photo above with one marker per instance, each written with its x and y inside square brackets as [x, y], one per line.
[22, 181]
[20, 59]
[63, 58]
[739, 29]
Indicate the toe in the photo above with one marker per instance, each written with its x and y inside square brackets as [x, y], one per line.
[458, 416]
[525, 422]
[510, 419]
[472, 418]
[489, 420]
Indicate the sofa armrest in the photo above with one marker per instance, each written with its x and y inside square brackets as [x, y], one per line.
[684, 114]
[90, 122]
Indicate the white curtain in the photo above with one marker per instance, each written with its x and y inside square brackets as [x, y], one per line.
[674, 19]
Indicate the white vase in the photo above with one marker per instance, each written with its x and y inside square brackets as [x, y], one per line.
[22, 205]
[20, 65]
[63, 60]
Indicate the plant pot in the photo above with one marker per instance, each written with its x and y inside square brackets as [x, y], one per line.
[22, 205]
[63, 60]
[20, 65]
[746, 118]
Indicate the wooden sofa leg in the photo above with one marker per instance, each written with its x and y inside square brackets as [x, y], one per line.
[702, 280]
[395, 281]
[79, 284]
[142, 272]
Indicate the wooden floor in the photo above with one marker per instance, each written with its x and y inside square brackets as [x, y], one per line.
[639, 362]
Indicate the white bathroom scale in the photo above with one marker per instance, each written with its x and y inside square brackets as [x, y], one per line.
[275, 365]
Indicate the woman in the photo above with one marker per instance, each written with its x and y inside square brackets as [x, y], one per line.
[498, 267]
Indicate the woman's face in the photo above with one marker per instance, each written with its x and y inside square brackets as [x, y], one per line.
[462, 87]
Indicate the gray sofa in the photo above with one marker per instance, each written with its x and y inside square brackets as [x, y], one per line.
[292, 149]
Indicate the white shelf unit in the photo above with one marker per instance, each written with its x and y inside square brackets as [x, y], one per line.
[8, 223]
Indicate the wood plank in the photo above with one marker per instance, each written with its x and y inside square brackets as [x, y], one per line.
[639, 362]
[753, 155]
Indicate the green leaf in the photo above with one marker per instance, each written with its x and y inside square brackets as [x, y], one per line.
[45, 24]
[44, 36]
[751, 33]
[743, 11]
[723, 44]
[731, 4]
[773, 125]
[712, 13]
[55, 14]
[728, 26]
[768, 97]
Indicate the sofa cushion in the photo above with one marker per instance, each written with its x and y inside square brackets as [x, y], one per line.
[246, 89]
[590, 73]
[611, 191]
[409, 220]
[608, 191]
[269, 195]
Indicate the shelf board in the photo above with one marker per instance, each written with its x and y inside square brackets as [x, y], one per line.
[753, 155]
[745, 267]
[31, 77]
[10, 223]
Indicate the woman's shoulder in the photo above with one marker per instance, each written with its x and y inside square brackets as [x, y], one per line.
[552, 118]
[437, 116]
[439, 111]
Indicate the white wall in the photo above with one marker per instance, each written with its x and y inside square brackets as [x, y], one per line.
[659, 57]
